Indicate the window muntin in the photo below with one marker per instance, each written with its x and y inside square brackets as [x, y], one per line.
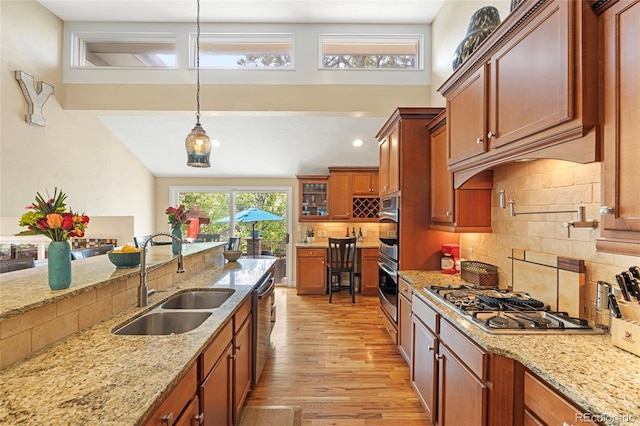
[244, 51]
[399, 52]
[120, 50]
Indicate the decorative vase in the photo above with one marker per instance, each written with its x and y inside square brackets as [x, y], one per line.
[59, 265]
[481, 24]
[175, 246]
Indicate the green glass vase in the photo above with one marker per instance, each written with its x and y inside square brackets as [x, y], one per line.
[59, 265]
[175, 246]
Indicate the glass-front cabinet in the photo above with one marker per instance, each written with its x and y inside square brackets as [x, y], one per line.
[313, 197]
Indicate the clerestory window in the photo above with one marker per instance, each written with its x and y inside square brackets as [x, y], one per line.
[244, 51]
[371, 52]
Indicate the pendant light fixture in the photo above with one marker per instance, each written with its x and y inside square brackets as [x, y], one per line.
[197, 143]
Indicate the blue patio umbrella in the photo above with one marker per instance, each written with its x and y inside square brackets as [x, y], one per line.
[253, 215]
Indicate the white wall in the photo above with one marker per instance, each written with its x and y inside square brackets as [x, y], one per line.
[74, 151]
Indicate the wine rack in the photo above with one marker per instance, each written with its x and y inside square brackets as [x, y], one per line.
[366, 208]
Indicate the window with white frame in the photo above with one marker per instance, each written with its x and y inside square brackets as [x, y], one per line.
[244, 51]
[124, 50]
[346, 51]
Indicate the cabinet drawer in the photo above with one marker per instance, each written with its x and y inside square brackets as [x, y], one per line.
[242, 313]
[404, 289]
[425, 313]
[388, 325]
[311, 252]
[548, 406]
[468, 352]
[216, 348]
[169, 411]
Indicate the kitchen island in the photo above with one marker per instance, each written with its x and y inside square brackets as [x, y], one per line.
[97, 378]
[586, 369]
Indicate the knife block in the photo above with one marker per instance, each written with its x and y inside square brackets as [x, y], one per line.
[625, 331]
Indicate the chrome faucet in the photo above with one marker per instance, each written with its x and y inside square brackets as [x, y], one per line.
[143, 291]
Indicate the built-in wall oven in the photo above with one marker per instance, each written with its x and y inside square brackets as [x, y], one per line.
[388, 256]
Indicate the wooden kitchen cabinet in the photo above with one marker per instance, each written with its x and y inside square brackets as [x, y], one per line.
[191, 415]
[369, 272]
[176, 406]
[340, 198]
[424, 364]
[365, 183]
[404, 320]
[242, 357]
[225, 370]
[621, 103]
[526, 91]
[543, 406]
[389, 161]
[467, 209]
[458, 387]
[311, 270]
[314, 203]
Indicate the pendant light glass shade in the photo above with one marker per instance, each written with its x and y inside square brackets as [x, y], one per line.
[197, 143]
[198, 147]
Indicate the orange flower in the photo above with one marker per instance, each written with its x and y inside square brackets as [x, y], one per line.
[54, 220]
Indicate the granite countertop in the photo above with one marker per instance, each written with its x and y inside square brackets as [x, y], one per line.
[588, 369]
[28, 289]
[97, 378]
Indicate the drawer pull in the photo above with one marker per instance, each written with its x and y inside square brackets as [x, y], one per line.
[479, 140]
[430, 348]
[490, 135]
[167, 418]
[199, 419]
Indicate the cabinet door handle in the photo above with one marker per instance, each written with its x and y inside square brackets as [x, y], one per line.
[166, 419]
[199, 419]
[490, 135]
[439, 357]
[448, 213]
[430, 348]
[479, 140]
[238, 347]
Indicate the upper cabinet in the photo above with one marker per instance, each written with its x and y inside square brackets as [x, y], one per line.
[621, 91]
[389, 161]
[528, 91]
[466, 209]
[347, 194]
[313, 192]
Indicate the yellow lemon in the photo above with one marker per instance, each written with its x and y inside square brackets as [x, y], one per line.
[128, 249]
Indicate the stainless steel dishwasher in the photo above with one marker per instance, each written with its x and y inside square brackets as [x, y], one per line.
[263, 311]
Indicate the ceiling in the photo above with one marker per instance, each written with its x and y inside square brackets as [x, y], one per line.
[259, 144]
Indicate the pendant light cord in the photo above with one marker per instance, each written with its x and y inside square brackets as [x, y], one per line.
[198, 64]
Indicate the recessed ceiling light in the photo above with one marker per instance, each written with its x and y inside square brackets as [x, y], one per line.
[357, 142]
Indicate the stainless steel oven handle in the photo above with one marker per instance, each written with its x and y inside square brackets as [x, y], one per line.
[386, 269]
[388, 215]
[269, 283]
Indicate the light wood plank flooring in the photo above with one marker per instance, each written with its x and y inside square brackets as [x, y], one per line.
[337, 363]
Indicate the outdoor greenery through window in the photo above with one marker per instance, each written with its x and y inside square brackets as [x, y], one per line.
[216, 207]
[264, 51]
[371, 51]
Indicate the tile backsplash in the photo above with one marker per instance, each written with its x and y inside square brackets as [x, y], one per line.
[547, 185]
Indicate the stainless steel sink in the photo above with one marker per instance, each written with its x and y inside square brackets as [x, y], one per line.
[201, 299]
[163, 323]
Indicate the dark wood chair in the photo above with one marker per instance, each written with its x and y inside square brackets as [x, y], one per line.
[341, 259]
[10, 265]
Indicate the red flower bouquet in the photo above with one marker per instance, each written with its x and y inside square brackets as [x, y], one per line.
[177, 216]
[51, 219]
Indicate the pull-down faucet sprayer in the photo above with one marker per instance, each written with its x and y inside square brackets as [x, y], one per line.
[143, 291]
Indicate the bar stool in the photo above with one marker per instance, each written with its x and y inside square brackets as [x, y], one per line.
[341, 259]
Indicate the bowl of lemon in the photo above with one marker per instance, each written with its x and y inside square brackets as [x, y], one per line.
[125, 257]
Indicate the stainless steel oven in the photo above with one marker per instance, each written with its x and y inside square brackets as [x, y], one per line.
[389, 255]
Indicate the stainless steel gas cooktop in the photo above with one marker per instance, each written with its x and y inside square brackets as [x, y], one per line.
[504, 312]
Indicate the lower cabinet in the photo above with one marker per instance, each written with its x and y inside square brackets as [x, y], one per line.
[369, 271]
[459, 387]
[404, 319]
[311, 270]
[178, 406]
[543, 406]
[225, 370]
[424, 369]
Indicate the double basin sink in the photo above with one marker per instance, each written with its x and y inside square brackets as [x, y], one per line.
[180, 313]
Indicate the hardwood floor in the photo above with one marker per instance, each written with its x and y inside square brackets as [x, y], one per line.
[337, 363]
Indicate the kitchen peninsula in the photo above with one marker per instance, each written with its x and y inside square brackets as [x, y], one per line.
[96, 377]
